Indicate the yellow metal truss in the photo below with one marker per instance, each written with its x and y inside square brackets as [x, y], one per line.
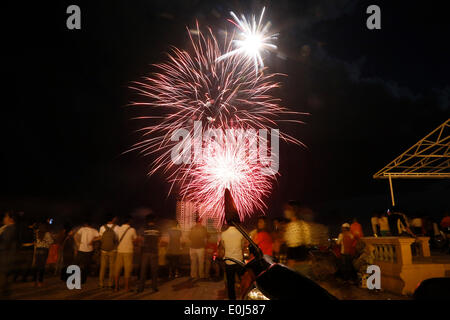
[429, 158]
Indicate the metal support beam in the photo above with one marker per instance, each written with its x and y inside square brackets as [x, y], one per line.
[392, 191]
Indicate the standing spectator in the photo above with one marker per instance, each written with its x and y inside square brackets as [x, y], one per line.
[417, 225]
[232, 242]
[68, 251]
[26, 252]
[52, 258]
[356, 229]
[174, 250]
[445, 222]
[445, 226]
[59, 238]
[297, 236]
[198, 236]
[125, 249]
[109, 240]
[150, 245]
[262, 237]
[347, 242]
[318, 232]
[8, 246]
[84, 239]
[42, 245]
[375, 224]
[398, 223]
[278, 240]
[210, 251]
[384, 225]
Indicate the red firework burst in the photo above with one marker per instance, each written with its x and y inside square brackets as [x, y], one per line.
[221, 94]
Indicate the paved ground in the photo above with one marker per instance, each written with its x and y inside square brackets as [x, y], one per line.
[350, 292]
[178, 289]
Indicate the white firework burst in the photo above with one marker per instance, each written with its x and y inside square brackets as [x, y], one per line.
[253, 39]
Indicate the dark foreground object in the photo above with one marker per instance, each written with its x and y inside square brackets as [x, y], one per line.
[275, 281]
[278, 282]
[433, 289]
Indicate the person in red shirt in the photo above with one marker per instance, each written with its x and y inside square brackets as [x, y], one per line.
[445, 222]
[356, 229]
[263, 238]
[347, 242]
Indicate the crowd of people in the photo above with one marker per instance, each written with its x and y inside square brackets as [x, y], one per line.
[118, 249]
[393, 223]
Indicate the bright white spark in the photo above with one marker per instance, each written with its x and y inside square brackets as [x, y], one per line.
[253, 39]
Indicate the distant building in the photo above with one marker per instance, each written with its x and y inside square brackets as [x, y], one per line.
[186, 213]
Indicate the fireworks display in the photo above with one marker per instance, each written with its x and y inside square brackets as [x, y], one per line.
[214, 84]
[253, 39]
[230, 162]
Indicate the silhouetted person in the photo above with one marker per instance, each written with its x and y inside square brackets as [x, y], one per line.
[109, 239]
[197, 236]
[150, 245]
[8, 246]
[42, 246]
[375, 224]
[174, 250]
[125, 250]
[356, 229]
[398, 223]
[347, 242]
[297, 236]
[262, 237]
[68, 251]
[25, 252]
[85, 238]
[232, 242]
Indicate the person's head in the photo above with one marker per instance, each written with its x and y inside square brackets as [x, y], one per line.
[127, 219]
[111, 219]
[150, 219]
[261, 224]
[355, 220]
[67, 226]
[42, 230]
[9, 218]
[345, 227]
[276, 222]
[306, 214]
[291, 210]
[43, 226]
[86, 223]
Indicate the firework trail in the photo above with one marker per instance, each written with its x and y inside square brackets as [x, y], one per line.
[218, 87]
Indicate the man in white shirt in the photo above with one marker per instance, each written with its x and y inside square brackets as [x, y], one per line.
[125, 248]
[84, 239]
[232, 241]
[109, 239]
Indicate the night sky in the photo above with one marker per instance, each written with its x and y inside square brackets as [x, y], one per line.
[371, 94]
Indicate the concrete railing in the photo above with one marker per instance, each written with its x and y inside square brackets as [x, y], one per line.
[394, 257]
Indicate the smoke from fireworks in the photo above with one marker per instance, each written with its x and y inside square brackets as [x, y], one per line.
[217, 86]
